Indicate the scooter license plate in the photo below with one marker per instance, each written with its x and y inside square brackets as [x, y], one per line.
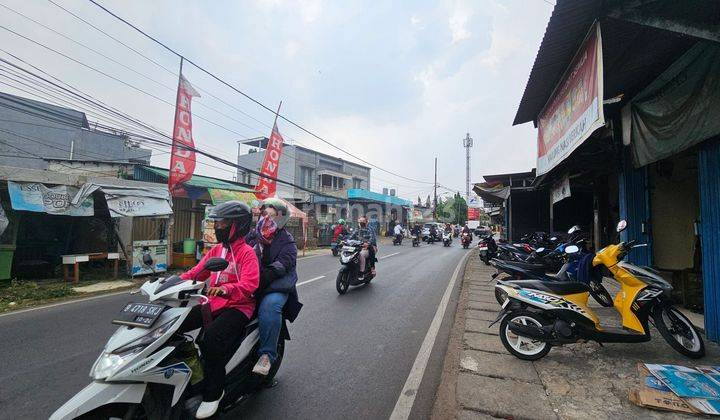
[482, 249]
[141, 315]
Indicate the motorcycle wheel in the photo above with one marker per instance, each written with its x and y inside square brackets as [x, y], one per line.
[342, 282]
[486, 259]
[335, 252]
[523, 347]
[678, 331]
[600, 294]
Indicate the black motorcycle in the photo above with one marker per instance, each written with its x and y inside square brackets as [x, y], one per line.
[349, 274]
[488, 249]
[397, 240]
[416, 240]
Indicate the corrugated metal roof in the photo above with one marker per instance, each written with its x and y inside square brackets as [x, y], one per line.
[196, 181]
[43, 109]
[360, 194]
[568, 25]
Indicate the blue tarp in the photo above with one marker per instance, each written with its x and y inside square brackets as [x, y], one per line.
[360, 194]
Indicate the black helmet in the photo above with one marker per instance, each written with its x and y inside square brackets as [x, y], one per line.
[238, 212]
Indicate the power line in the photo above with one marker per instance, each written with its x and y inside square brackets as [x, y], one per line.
[252, 99]
[161, 66]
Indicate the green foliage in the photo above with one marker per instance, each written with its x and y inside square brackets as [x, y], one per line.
[23, 292]
[453, 210]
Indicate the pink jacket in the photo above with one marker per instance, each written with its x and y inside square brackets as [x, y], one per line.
[240, 279]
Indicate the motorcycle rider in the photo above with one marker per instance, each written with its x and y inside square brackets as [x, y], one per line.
[339, 230]
[230, 295]
[398, 231]
[277, 294]
[466, 229]
[367, 235]
[433, 233]
[416, 230]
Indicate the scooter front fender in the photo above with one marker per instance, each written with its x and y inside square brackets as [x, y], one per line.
[98, 394]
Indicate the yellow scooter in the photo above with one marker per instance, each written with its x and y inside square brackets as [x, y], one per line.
[539, 314]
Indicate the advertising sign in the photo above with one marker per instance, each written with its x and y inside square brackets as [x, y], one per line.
[575, 109]
[31, 196]
[267, 185]
[473, 213]
[182, 161]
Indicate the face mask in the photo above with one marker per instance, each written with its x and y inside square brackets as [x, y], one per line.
[222, 234]
[266, 228]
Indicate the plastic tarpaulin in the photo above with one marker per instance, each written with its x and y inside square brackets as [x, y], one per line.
[492, 192]
[679, 109]
[36, 197]
[130, 200]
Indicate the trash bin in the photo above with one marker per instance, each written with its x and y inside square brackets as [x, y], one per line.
[189, 246]
[6, 259]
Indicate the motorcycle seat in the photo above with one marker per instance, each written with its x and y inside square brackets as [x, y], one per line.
[557, 287]
[523, 266]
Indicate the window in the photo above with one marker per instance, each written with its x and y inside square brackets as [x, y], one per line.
[306, 176]
[323, 209]
[357, 183]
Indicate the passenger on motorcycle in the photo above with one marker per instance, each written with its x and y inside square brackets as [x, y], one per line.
[230, 295]
[466, 229]
[367, 235]
[277, 294]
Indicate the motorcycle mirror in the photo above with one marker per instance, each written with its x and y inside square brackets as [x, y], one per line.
[215, 264]
[622, 225]
[539, 250]
[574, 229]
[554, 238]
[571, 249]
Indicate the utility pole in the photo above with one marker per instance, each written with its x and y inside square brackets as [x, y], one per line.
[467, 143]
[435, 193]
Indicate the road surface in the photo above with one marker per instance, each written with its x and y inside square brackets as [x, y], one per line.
[349, 356]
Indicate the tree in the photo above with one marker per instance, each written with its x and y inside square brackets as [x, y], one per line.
[419, 202]
[427, 201]
[454, 210]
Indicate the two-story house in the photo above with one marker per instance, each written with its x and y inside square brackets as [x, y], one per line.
[331, 177]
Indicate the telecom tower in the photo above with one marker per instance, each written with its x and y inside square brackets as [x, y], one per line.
[467, 143]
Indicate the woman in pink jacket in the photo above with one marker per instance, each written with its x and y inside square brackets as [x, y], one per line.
[231, 298]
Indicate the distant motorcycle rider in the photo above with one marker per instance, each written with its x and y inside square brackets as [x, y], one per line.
[369, 239]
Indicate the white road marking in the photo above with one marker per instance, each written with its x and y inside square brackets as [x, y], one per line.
[387, 256]
[311, 280]
[52, 305]
[405, 401]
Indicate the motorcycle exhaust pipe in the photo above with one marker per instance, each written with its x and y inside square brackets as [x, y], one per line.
[529, 331]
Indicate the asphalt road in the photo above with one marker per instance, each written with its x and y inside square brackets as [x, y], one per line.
[349, 356]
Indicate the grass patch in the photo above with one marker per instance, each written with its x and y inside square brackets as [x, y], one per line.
[18, 293]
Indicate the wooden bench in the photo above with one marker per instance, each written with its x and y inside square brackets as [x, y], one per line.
[76, 259]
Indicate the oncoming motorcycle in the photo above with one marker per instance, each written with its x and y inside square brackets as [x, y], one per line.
[148, 370]
[349, 273]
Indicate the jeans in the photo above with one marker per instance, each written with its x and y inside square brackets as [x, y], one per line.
[270, 322]
[219, 341]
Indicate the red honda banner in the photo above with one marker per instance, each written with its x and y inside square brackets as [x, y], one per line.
[182, 160]
[266, 186]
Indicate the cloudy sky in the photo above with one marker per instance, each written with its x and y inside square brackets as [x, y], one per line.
[394, 82]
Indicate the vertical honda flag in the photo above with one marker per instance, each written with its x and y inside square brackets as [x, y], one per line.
[182, 160]
[267, 186]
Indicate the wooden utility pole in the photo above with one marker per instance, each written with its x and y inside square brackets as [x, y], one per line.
[435, 194]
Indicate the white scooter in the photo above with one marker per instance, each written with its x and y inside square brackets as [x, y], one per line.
[149, 370]
[447, 238]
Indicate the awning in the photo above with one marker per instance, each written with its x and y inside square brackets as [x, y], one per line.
[333, 173]
[492, 192]
[220, 196]
[129, 200]
[365, 195]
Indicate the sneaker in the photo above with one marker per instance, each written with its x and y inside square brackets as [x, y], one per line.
[208, 409]
[262, 367]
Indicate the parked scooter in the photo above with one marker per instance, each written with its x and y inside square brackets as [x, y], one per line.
[488, 249]
[349, 274]
[465, 240]
[447, 238]
[540, 314]
[567, 273]
[149, 370]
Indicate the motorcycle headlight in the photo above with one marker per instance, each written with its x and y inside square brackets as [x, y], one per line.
[110, 362]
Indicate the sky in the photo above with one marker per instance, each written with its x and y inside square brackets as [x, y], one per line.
[396, 83]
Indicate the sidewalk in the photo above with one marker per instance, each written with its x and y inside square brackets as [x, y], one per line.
[481, 380]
